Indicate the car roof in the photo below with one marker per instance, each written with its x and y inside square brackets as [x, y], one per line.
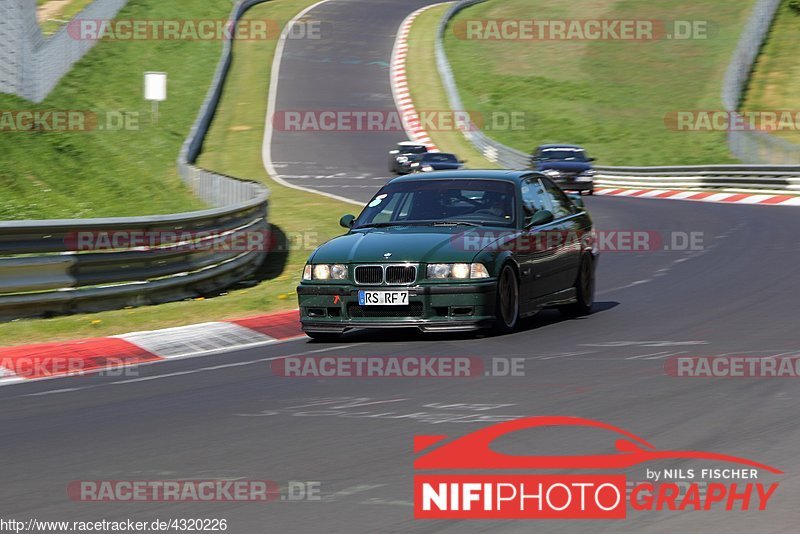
[488, 174]
[560, 145]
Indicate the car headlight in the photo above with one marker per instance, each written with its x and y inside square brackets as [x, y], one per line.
[551, 172]
[338, 271]
[325, 271]
[457, 271]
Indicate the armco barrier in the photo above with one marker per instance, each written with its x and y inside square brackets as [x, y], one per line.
[753, 147]
[42, 274]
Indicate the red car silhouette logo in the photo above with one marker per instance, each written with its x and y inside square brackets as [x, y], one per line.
[473, 451]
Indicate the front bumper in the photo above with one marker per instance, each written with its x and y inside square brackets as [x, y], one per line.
[431, 308]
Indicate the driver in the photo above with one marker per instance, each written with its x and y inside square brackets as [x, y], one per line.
[496, 204]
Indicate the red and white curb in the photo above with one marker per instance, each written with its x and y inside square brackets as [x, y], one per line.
[399, 83]
[49, 360]
[703, 196]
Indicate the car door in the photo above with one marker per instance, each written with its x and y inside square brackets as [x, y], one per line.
[568, 228]
[536, 247]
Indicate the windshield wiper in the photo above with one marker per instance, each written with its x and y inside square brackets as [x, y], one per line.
[454, 223]
[381, 225]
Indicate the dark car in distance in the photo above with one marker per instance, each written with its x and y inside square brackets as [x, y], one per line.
[402, 151]
[428, 162]
[452, 251]
[567, 165]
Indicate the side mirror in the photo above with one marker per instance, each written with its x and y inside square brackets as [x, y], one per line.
[590, 159]
[462, 161]
[347, 221]
[541, 217]
[576, 199]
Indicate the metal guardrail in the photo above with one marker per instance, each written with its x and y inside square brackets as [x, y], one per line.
[42, 272]
[758, 147]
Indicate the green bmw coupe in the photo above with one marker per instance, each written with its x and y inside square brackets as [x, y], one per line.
[452, 251]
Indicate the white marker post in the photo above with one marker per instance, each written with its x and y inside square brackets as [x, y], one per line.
[155, 90]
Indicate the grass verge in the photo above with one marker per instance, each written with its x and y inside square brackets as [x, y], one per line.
[62, 12]
[111, 171]
[610, 96]
[427, 91]
[773, 83]
[233, 146]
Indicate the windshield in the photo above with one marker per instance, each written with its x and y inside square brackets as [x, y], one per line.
[434, 157]
[469, 201]
[412, 149]
[564, 154]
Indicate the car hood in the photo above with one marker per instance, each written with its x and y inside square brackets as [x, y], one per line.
[568, 166]
[423, 244]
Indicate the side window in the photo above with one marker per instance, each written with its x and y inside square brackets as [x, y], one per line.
[532, 197]
[386, 208]
[559, 203]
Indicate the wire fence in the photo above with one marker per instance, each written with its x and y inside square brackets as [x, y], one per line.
[754, 146]
[30, 63]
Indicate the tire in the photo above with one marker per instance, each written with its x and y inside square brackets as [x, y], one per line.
[506, 301]
[584, 290]
[328, 337]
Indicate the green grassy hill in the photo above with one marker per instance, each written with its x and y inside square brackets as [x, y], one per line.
[611, 96]
[108, 172]
[774, 83]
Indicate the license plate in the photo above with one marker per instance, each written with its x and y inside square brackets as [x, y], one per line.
[383, 298]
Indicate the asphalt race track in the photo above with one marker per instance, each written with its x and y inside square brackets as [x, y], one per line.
[347, 69]
[228, 416]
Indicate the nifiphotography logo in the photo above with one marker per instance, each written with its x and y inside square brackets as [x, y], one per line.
[457, 483]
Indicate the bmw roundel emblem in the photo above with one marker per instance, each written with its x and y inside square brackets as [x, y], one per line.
[387, 255]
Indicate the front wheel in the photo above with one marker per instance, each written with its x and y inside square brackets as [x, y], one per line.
[506, 301]
[584, 290]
